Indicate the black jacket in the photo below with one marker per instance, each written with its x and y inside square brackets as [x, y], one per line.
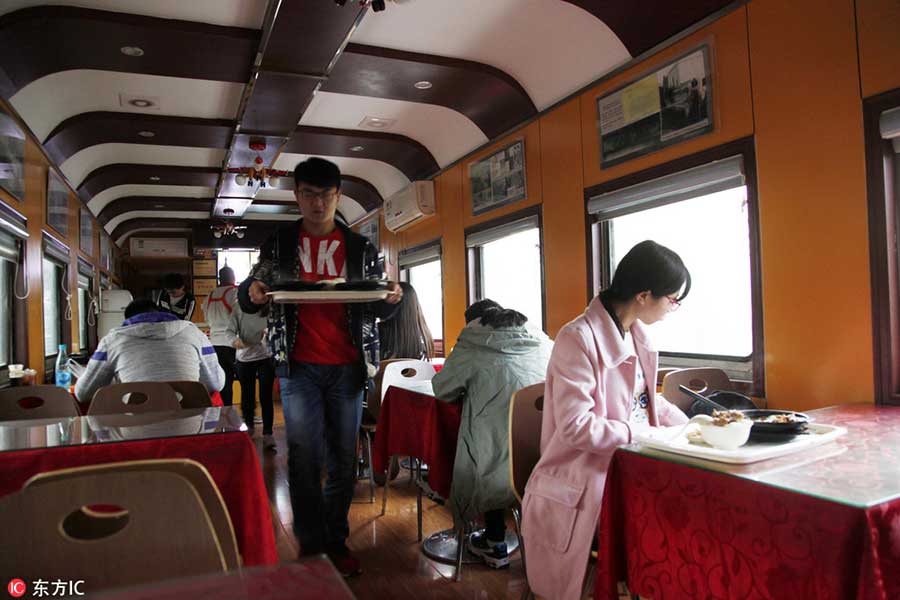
[279, 262]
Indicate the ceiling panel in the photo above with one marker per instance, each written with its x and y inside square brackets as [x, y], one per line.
[386, 179]
[153, 214]
[573, 48]
[90, 159]
[447, 134]
[133, 203]
[50, 100]
[115, 175]
[100, 201]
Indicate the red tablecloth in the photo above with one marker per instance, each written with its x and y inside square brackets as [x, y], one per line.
[676, 531]
[230, 458]
[311, 579]
[418, 425]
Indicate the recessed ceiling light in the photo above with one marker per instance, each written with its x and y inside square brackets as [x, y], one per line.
[154, 178]
[357, 149]
[377, 123]
[140, 102]
[132, 50]
[422, 85]
[159, 205]
[146, 134]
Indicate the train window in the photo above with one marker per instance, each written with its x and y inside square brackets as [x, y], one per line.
[704, 215]
[7, 269]
[53, 306]
[491, 254]
[85, 316]
[421, 268]
[239, 260]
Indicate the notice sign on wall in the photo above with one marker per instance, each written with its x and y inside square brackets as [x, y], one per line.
[665, 107]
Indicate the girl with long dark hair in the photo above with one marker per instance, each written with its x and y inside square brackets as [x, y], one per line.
[600, 389]
[406, 335]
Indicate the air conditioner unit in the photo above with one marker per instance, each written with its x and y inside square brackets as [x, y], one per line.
[410, 205]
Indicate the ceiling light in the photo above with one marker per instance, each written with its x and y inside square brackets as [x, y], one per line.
[146, 134]
[159, 205]
[132, 50]
[357, 149]
[273, 181]
[422, 85]
[239, 234]
[140, 103]
[217, 234]
[377, 122]
[154, 178]
[241, 179]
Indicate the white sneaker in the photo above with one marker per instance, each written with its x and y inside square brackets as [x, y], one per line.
[268, 441]
[258, 419]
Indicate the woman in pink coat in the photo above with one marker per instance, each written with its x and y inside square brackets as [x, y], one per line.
[600, 389]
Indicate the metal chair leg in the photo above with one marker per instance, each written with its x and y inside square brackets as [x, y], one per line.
[384, 494]
[371, 469]
[419, 496]
[460, 549]
[526, 593]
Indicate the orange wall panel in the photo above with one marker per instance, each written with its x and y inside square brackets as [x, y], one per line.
[449, 190]
[732, 109]
[878, 24]
[813, 213]
[565, 258]
[34, 209]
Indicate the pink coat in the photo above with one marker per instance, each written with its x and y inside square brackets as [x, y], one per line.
[587, 403]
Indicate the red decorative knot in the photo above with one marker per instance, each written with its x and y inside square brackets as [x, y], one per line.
[258, 146]
[228, 211]
[258, 160]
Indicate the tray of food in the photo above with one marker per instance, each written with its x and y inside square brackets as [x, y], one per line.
[323, 292]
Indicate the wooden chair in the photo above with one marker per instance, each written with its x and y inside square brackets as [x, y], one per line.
[191, 394]
[700, 380]
[36, 402]
[134, 397]
[192, 471]
[161, 531]
[525, 420]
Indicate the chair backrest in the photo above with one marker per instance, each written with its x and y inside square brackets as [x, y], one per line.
[400, 371]
[134, 397]
[36, 402]
[701, 380]
[192, 471]
[109, 527]
[374, 394]
[191, 394]
[525, 414]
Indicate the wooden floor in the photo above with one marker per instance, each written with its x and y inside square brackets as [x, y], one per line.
[392, 561]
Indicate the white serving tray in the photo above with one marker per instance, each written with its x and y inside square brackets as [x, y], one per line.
[659, 438]
[327, 296]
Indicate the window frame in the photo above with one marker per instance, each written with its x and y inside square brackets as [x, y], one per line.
[15, 224]
[404, 276]
[474, 267]
[56, 252]
[87, 271]
[598, 244]
[884, 264]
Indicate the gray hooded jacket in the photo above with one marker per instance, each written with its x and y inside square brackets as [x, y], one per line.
[154, 346]
[485, 368]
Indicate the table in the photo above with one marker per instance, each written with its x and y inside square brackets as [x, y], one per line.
[823, 524]
[214, 437]
[311, 579]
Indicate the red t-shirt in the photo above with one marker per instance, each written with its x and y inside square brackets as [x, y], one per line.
[323, 332]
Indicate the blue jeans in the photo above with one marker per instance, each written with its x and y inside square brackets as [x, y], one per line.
[322, 410]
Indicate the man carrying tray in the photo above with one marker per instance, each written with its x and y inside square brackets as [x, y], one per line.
[323, 353]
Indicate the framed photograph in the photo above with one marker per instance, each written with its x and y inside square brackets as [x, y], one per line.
[12, 157]
[672, 104]
[57, 204]
[86, 232]
[369, 229]
[498, 179]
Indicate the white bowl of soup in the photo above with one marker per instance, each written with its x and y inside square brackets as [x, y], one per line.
[725, 429]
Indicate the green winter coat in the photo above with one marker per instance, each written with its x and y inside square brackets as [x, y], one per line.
[485, 368]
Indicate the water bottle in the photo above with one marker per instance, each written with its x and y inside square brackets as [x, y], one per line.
[63, 377]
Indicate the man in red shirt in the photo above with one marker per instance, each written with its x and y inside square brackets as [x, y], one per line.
[323, 354]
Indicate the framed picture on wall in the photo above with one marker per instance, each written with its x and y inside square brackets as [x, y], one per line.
[498, 179]
[105, 261]
[667, 106]
[57, 204]
[12, 157]
[86, 234]
[369, 229]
